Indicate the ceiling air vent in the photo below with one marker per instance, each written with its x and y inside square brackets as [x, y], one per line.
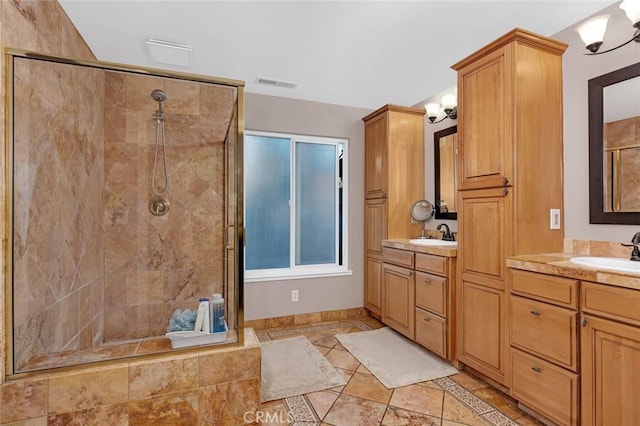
[276, 83]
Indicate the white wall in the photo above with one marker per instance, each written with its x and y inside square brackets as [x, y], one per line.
[429, 154]
[577, 70]
[272, 298]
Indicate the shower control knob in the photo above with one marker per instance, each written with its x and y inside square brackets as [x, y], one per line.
[159, 207]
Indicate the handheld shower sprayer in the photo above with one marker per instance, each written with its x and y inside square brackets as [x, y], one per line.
[159, 96]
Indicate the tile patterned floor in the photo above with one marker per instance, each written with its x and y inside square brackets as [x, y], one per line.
[456, 400]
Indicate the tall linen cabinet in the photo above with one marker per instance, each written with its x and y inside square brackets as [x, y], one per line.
[510, 177]
[394, 180]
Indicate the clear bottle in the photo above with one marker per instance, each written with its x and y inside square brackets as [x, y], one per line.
[217, 314]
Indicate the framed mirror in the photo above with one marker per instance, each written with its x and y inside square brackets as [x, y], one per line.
[614, 147]
[445, 146]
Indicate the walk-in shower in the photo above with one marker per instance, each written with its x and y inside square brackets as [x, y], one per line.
[93, 275]
[159, 205]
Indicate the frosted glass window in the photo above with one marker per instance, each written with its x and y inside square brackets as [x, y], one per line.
[295, 200]
[316, 194]
[267, 213]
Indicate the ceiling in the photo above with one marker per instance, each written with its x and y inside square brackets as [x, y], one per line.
[356, 53]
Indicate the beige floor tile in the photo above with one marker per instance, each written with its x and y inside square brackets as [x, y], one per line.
[528, 421]
[322, 339]
[275, 411]
[418, 398]
[397, 416]
[322, 401]
[339, 346]
[366, 386]
[352, 411]
[362, 369]
[467, 381]
[342, 359]
[323, 350]
[430, 384]
[502, 402]
[456, 411]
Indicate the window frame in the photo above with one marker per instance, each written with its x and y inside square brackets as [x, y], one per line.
[319, 270]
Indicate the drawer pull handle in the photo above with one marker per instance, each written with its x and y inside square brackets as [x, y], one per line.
[427, 281]
[536, 313]
[427, 319]
[537, 369]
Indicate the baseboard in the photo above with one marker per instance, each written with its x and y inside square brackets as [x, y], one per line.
[308, 318]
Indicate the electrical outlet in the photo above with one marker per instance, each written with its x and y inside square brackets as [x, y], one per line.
[554, 219]
[294, 295]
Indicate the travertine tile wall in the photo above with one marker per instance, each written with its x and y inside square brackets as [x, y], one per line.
[39, 26]
[58, 207]
[156, 264]
[205, 387]
[624, 135]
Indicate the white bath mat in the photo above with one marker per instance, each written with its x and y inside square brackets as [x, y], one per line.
[294, 366]
[395, 360]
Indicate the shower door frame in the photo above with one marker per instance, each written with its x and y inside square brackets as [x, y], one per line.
[233, 229]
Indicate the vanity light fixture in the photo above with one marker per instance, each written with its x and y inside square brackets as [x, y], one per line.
[448, 106]
[592, 31]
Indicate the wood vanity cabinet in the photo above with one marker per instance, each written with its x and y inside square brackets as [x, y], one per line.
[418, 298]
[510, 176]
[610, 355]
[398, 291]
[435, 303]
[394, 180]
[544, 345]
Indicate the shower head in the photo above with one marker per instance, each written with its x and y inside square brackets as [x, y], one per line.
[158, 95]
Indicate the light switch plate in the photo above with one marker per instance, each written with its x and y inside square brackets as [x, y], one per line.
[554, 219]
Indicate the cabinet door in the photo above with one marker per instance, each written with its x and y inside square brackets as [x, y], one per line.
[375, 166]
[484, 122]
[373, 285]
[398, 299]
[375, 226]
[610, 355]
[482, 244]
[482, 335]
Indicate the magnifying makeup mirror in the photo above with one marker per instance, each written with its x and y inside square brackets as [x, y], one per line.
[422, 211]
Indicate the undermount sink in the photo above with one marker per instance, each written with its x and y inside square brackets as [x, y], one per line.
[609, 263]
[432, 242]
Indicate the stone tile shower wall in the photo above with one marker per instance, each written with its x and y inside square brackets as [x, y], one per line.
[156, 264]
[625, 136]
[58, 179]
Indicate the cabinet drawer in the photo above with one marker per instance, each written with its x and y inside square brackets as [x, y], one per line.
[431, 293]
[431, 263]
[611, 302]
[547, 388]
[547, 330]
[398, 257]
[431, 332]
[561, 291]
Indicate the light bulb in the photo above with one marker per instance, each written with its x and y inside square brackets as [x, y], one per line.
[632, 9]
[433, 109]
[592, 31]
[448, 101]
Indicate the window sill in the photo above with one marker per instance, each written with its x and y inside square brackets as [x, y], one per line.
[285, 274]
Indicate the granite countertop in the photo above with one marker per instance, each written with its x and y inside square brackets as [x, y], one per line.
[403, 244]
[559, 264]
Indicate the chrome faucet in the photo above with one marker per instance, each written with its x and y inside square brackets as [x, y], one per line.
[635, 241]
[447, 236]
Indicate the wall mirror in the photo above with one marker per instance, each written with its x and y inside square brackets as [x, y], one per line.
[445, 152]
[614, 147]
[95, 273]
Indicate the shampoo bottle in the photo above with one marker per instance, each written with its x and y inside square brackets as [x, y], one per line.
[202, 319]
[217, 314]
